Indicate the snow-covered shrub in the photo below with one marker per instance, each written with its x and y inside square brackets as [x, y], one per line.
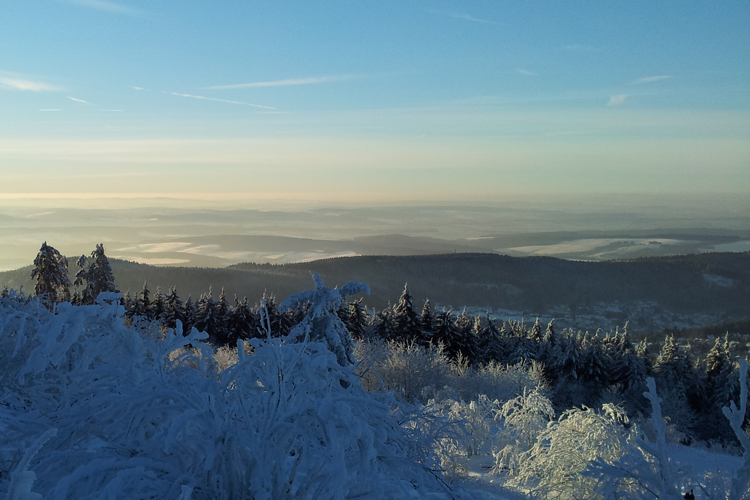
[643, 468]
[473, 432]
[139, 416]
[225, 357]
[520, 421]
[553, 466]
[412, 372]
[502, 382]
[417, 373]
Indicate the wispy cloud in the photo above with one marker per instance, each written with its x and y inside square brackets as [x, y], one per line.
[137, 88]
[75, 99]
[465, 17]
[103, 5]
[525, 72]
[617, 100]
[649, 79]
[283, 83]
[581, 48]
[14, 82]
[217, 100]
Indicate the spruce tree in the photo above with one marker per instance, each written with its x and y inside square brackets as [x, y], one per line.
[378, 328]
[158, 306]
[222, 331]
[405, 324]
[489, 347]
[536, 332]
[51, 273]
[205, 313]
[447, 334]
[173, 309]
[357, 319]
[188, 315]
[426, 323]
[243, 323]
[95, 275]
[142, 305]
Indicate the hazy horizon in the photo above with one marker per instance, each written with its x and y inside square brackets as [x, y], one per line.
[179, 231]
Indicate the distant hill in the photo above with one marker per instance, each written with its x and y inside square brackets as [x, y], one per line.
[715, 283]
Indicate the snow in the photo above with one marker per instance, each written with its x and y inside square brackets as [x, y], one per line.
[92, 408]
[100, 410]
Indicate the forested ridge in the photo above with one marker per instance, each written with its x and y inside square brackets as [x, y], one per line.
[712, 283]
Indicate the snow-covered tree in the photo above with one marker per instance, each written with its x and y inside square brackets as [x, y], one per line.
[95, 275]
[206, 314]
[158, 306]
[173, 309]
[405, 324]
[446, 332]
[51, 274]
[427, 323]
[357, 319]
[321, 321]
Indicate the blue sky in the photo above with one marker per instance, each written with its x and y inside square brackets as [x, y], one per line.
[373, 100]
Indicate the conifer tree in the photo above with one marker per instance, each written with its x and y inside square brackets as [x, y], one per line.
[378, 328]
[536, 332]
[566, 364]
[222, 332]
[158, 306]
[593, 365]
[205, 314]
[188, 315]
[719, 380]
[173, 309]
[142, 305]
[405, 324]
[447, 334]
[426, 323]
[357, 319]
[95, 275]
[243, 323]
[489, 347]
[550, 337]
[51, 273]
[127, 303]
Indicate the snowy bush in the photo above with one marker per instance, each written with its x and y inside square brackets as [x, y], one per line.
[553, 466]
[412, 372]
[93, 409]
[501, 382]
[520, 421]
[417, 373]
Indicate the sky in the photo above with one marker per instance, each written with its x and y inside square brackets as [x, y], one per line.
[372, 101]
